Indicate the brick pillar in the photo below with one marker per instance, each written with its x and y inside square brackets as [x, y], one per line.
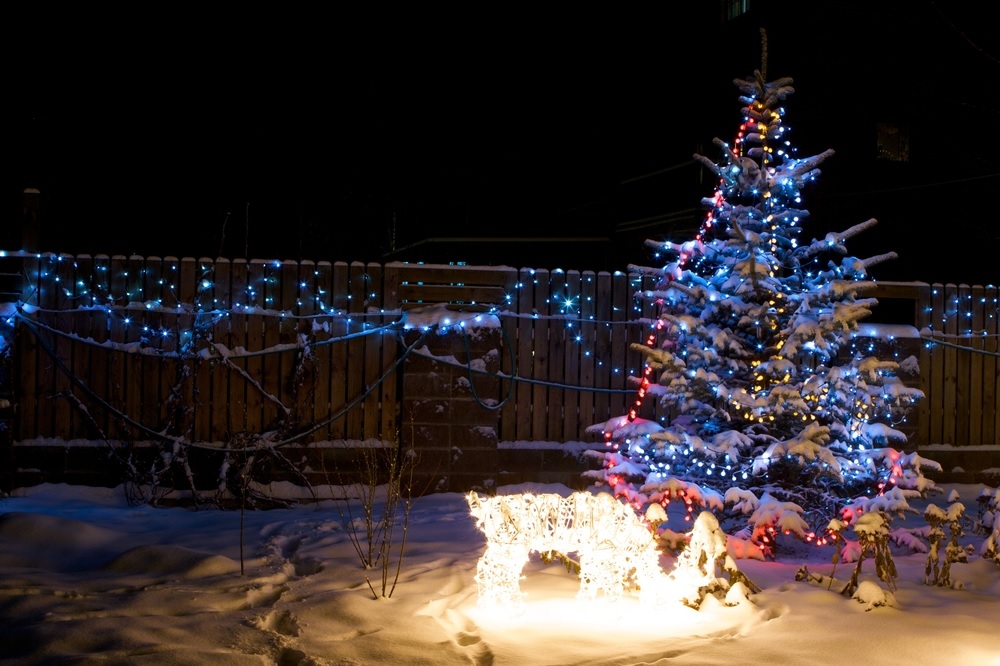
[445, 417]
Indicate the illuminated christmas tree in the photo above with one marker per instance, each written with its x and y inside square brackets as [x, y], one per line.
[773, 421]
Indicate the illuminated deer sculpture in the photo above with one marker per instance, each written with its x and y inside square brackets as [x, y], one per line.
[617, 551]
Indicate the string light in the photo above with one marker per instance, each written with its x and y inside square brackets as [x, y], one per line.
[617, 550]
[97, 286]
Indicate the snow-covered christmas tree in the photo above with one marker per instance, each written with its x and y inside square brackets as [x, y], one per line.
[774, 424]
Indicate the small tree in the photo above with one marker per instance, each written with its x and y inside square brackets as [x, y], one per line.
[936, 572]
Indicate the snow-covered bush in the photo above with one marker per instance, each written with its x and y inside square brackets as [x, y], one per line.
[936, 571]
[872, 530]
[989, 524]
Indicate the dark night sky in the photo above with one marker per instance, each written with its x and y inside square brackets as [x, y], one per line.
[306, 136]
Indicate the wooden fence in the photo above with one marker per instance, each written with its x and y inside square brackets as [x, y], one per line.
[128, 348]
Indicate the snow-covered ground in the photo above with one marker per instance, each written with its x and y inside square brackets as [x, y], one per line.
[89, 579]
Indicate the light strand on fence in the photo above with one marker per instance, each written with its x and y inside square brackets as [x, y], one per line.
[520, 378]
[564, 304]
[931, 342]
[214, 350]
[137, 313]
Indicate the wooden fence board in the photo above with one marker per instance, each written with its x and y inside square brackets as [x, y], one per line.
[191, 421]
[83, 325]
[604, 329]
[573, 335]
[324, 288]
[239, 388]
[508, 360]
[622, 336]
[571, 346]
[117, 388]
[339, 350]
[262, 286]
[963, 396]
[507, 385]
[525, 345]
[170, 305]
[222, 285]
[268, 287]
[135, 332]
[218, 275]
[320, 402]
[168, 282]
[192, 340]
[373, 359]
[187, 285]
[306, 303]
[32, 281]
[135, 280]
[62, 409]
[100, 356]
[585, 353]
[196, 280]
[272, 407]
[152, 412]
[325, 291]
[321, 285]
[289, 377]
[991, 365]
[234, 371]
[340, 296]
[338, 378]
[950, 379]
[540, 358]
[356, 351]
[388, 393]
[84, 408]
[936, 385]
[556, 396]
[255, 422]
[522, 389]
[977, 413]
[255, 345]
[152, 288]
[921, 296]
[30, 381]
[154, 399]
[224, 416]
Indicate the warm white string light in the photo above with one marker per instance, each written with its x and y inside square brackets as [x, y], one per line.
[617, 550]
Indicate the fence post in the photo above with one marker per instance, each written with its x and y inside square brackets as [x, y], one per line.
[30, 228]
